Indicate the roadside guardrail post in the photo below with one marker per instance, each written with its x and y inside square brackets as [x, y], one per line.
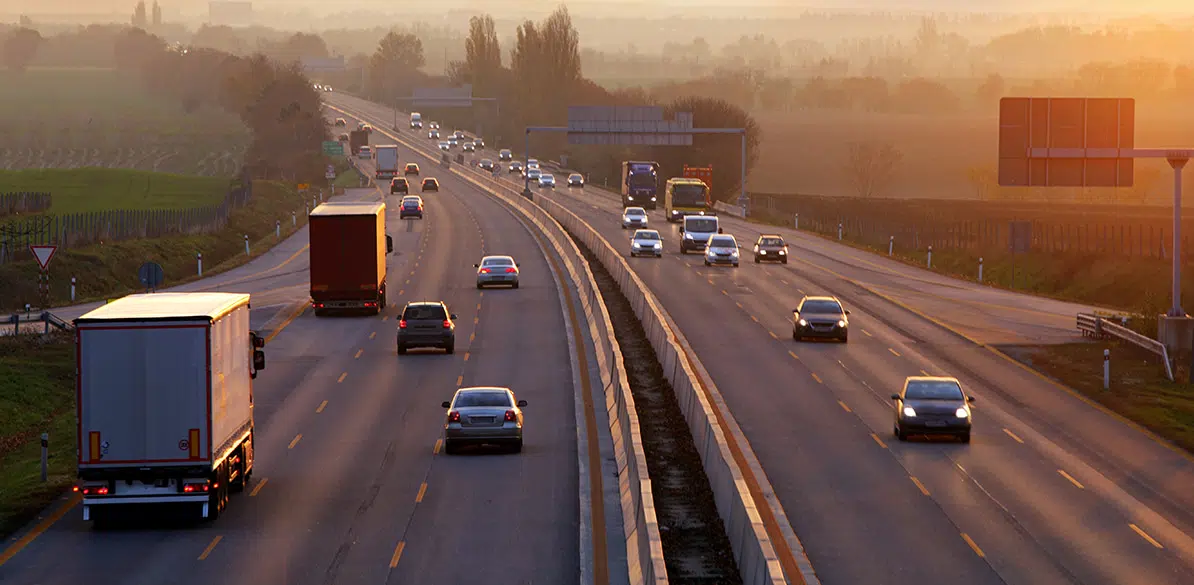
[930, 255]
[45, 455]
[247, 245]
[890, 245]
[1106, 369]
[278, 229]
[199, 261]
[293, 218]
[16, 324]
[980, 268]
[839, 231]
[797, 222]
[72, 289]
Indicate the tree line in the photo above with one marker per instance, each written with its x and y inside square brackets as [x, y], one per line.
[275, 100]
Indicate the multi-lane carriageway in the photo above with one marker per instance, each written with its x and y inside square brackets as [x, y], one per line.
[1052, 489]
[351, 484]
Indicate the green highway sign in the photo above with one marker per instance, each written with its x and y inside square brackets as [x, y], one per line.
[333, 148]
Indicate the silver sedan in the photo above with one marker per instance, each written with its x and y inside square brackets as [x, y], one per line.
[634, 217]
[646, 243]
[497, 270]
[483, 415]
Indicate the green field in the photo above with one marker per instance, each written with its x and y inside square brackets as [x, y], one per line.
[69, 118]
[91, 189]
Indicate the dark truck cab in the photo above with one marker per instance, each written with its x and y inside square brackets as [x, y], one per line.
[348, 257]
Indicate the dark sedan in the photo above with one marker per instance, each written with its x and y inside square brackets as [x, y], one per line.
[412, 206]
[820, 317]
[430, 184]
[426, 324]
[931, 405]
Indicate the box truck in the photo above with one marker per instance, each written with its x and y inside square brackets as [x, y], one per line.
[387, 161]
[640, 183]
[348, 252]
[165, 402]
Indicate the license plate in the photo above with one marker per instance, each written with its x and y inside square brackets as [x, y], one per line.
[934, 423]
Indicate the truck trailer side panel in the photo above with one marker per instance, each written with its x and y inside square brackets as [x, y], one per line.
[143, 394]
[348, 257]
[231, 384]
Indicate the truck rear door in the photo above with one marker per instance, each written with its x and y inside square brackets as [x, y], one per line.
[344, 255]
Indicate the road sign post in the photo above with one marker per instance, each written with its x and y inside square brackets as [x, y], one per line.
[1089, 142]
[43, 254]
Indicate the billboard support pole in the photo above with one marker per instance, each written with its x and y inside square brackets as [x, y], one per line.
[1178, 163]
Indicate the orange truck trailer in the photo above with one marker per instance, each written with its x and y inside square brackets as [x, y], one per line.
[705, 174]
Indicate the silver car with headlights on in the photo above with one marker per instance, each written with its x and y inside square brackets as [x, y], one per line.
[932, 405]
[722, 249]
[497, 270]
[646, 243]
[634, 217]
[483, 415]
[547, 181]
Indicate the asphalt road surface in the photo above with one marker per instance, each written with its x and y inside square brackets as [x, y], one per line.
[351, 485]
[1051, 490]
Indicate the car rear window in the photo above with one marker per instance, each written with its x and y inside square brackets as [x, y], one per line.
[424, 312]
[498, 262]
[933, 390]
[494, 398]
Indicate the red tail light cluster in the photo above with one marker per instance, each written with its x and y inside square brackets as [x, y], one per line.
[484, 271]
[402, 324]
[370, 304]
[191, 488]
[511, 270]
[453, 417]
[93, 490]
[511, 416]
[447, 323]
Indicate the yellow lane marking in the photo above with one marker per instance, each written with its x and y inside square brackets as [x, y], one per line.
[878, 440]
[471, 337]
[710, 280]
[372, 335]
[478, 306]
[785, 283]
[407, 281]
[801, 291]
[459, 380]
[973, 546]
[435, 450]
[295, 441]
[844, 407]
[385, 318]
[924, 490]
[342, 377]
[1071, 478]
[817, 378]
[793, 354]
[753, 318]
[1145, 536]
[773, 335]
[1013, 435]
[397, 554]
[211, 547]
[466, 354]
[739, 304]
[358, 355]
[322, 405]
[723, 291]
[41, 527]
[422, 490]
[289, 319]
[894, 352]
[476, 320]
[257, 488]
[867, 333]
[401, 291]
[925, 373]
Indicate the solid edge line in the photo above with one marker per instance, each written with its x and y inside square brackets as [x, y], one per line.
[211, 547]
[37, 530]
[297, 309]
[1145, 536]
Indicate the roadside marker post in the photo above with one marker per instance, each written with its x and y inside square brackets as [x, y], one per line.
[930, 255]
[1089, 142]
[796, 223]
[199, 261]
[293, 218]
[247, 245]
[278, 229]
[1106, 369]
[980, 268]
[45, 456]
[72, 289]
[839, 232]
[890, 245]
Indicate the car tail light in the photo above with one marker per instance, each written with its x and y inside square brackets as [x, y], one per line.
[484, 271]
[402, 324]
[511, 270]
[101, 490]
[370, 304]
[195, 487]
[453, 417]
[317, 305]
[511, 416]
[447, 323]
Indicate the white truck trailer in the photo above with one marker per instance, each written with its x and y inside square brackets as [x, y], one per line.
[387, 161]
[165, 401]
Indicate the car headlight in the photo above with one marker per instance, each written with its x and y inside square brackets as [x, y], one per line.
[636, 245]
[652, 199]
[841, 323]
[687, 236]
[734, 252]
[782, 252]
[962, 412]
[909, 411]
[803, 323]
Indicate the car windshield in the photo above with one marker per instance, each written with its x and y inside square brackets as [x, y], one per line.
[424, 313]
[497, 262]
[722, 243]
[483, 398]
[547, 178]
[635, 211]
[646, 236]
[771, 242]
[821, 307]
[689, 195]
[933, 390]
[574, 177]
[704, 224]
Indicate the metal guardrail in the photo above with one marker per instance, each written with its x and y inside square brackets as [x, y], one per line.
[19, 319]
[1100, 327]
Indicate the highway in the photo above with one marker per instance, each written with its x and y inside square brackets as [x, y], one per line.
[350, 484]
[1051, 490]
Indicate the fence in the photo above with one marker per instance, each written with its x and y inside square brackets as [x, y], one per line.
[81, 229]
[24, 202]
[978, 226]
[1099, 327]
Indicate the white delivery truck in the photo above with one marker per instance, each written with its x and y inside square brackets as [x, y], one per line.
[387, 161]
[416, 120]
[165, 401]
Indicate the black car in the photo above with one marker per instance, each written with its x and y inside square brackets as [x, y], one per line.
[411, 206]
[398, 185]
[932, 405]
[486, 164]
[426, 324]
[430, 184]
[771, 247]
[820, 317]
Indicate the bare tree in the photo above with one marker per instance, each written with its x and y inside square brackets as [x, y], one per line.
[871, 167]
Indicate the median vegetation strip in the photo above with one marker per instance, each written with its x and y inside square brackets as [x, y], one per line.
[37, 395]
[95, 189]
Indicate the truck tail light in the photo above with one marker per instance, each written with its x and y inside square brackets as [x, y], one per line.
[316, 305]
[447, 323]
[193, 488]
[453, 417]
[511, 416]
[93, 490]
[370, 304]
[402, 324]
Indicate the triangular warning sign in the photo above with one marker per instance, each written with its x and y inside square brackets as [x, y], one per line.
[43, 254]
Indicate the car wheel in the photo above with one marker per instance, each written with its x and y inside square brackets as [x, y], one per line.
[401, 348]
[899, 433]
[450, 447]
[795, 336]
[845, 338]
[785, 260]
[517, 446]
[479, 286]
[757, 260]
[735, 265]
[965, 437]
[515, 284]
[706, 262]
[450, 347]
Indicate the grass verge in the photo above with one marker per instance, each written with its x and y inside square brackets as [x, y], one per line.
[36, 395]
[110, 270]
[94, 189]
[1139, 390]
